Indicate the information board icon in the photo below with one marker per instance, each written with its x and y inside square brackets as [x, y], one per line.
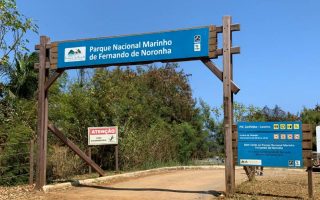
[275, 126]
[282, 126]
[290, 163]
[297, 136]
[296, 126]
[283, 136]
[289, 126]
[276, 136]
[197, 39]
[297, 163]
[290, 136]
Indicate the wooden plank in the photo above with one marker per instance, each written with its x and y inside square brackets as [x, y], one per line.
[75, 149]
[212, 54]
[54, 50]
[235, 144]
[227, 101]
[307, 136]
[307, 145]
[307, 154]
[216, 71]
[54, 56]
[234, 27]
[53, 66]
[306, 127]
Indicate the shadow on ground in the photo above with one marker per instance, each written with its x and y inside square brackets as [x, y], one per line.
[212, 192]
[269, 195]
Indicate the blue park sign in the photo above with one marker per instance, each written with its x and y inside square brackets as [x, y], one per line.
[270, 144]
[176, 45]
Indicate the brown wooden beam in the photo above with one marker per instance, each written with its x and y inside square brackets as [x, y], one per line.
[36, 65]
[37, 47]
[53, 78]
[227, 104]
[234, 27]
[75, 149]
[234, 50]
[216, 71]
[42, 115]
[50, 81]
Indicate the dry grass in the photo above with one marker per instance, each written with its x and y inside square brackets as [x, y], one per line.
[279, 184]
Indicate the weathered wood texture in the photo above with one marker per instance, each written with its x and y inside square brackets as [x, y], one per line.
[42, 114]
[31, 162]
[116, 154]
[75, 149]
[227, 104]
[89, 155]
[306, 144]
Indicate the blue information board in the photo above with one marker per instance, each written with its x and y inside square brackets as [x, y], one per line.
[270, 144]
[162, 46]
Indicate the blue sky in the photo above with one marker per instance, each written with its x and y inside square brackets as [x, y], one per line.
[279, 40]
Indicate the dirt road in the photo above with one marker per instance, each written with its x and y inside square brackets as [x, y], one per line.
[184, 184]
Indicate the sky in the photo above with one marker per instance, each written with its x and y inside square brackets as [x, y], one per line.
[279, 63]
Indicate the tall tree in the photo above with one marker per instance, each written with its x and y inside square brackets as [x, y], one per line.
[13, 27]
[22, 81]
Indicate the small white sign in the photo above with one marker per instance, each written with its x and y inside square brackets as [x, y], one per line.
[197, 47]
[74, 54]
[250, 162]
[318, 138]
[102, 135]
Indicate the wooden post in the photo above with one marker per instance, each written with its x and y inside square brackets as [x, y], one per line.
[42, 115]
[227, 104]
[31, 162]
[116, 154]
[89, 155]
[310, 184]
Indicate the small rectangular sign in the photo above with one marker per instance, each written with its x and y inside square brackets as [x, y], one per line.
[318, 138]
[178, 45]
[102, 135]
[270, 144]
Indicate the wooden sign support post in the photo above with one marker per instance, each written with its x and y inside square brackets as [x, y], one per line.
[42, 114]
[44, 83]
[227, 105]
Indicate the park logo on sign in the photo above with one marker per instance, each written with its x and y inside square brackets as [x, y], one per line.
[74, 54]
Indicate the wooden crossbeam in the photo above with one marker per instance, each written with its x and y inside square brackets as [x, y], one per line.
[75, 149]
[234, 50]
[53, 78]
[216, 71]
[234, 27]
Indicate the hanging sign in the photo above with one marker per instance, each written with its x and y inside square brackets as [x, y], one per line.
[177, 45]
